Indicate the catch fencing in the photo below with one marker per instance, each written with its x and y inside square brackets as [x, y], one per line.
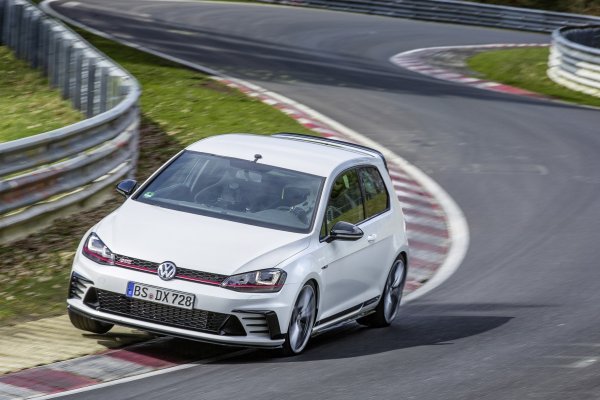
[46, 175]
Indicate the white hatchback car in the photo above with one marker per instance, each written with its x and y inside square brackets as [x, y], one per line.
[247, 240]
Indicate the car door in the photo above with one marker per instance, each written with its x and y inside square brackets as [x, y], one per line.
[376, 258]
[352, 270]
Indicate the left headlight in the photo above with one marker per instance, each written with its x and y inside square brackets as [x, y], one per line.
[263, 281]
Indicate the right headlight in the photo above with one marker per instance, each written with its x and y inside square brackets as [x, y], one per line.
[96, 250]
[263, 281]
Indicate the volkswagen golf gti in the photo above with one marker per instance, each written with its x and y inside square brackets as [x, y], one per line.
[247, 240]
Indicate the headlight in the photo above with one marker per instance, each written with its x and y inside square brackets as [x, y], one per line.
[263, 281]
[96, 250]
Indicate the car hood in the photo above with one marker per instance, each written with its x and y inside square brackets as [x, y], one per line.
[196, 242]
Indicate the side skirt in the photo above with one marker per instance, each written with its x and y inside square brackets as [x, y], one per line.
[354, 312]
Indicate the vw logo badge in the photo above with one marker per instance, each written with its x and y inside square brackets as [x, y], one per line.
[167, 270]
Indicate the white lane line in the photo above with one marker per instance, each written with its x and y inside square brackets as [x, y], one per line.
[145, 375]
[586, 362]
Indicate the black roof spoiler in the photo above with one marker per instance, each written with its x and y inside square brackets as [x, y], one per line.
[330, 142]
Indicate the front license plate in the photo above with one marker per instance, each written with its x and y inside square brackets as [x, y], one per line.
[159, 295]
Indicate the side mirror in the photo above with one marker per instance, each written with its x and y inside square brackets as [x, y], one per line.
[345, 231]
[126, 187]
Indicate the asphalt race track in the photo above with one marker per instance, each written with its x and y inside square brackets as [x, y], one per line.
[519, 319]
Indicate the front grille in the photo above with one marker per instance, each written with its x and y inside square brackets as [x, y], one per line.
[190, 274]
[197, 320]
[182, 273]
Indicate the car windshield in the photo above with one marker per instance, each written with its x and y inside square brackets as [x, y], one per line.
[238, 190]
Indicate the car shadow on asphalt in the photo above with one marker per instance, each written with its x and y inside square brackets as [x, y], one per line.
[413, 329]
[416, 325]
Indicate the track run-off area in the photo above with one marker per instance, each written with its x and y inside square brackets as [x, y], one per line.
[519, 318]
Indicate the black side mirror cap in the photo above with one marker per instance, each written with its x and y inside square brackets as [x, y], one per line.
[344, 231]
[127, 187]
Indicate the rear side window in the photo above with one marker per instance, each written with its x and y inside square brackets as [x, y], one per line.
[345, 202]
[376, 196]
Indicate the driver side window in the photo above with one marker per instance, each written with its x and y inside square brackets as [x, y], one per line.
[345, 201]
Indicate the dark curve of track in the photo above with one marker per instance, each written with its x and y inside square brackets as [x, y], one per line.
[519, 319]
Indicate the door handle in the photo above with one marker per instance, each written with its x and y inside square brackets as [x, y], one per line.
[371, 238]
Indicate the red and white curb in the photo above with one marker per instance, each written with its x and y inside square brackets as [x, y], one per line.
[416, 61]
[437, 231]
[105, 369]
[85, 371]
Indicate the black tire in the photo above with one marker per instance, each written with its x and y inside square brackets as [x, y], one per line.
[289, 347]
[88, 324]
[380, 318]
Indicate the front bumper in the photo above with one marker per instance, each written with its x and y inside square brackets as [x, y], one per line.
[261, 315]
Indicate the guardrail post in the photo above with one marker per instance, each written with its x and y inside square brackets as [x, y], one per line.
[15, 26]
[134, 145]
[34, 43]
[76, 94]
[21, 32]
[103, 89]
[91, 88]
[3, 6]
[44, 50]
[52, 56]
[4, 19]
[25, 34]
[60, 63]
[67, 71]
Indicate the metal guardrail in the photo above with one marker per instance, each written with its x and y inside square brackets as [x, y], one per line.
[461, 12]
[575, 59]
[44, 174]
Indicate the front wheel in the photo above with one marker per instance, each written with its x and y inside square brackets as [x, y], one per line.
[88, 324]
[301, 321]
[386, 310]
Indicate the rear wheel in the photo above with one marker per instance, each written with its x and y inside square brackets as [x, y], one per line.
[301, 321]
[88, 324]
[386, 310]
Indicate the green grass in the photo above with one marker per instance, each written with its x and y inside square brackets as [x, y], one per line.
[179, 106]
[189, 105]
[28, 105]
[525, 68]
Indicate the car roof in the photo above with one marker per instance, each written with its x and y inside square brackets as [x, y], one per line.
[299, 155]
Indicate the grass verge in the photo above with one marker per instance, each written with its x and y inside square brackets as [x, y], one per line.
[525, 68]
[179, 106]
[28, 105]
